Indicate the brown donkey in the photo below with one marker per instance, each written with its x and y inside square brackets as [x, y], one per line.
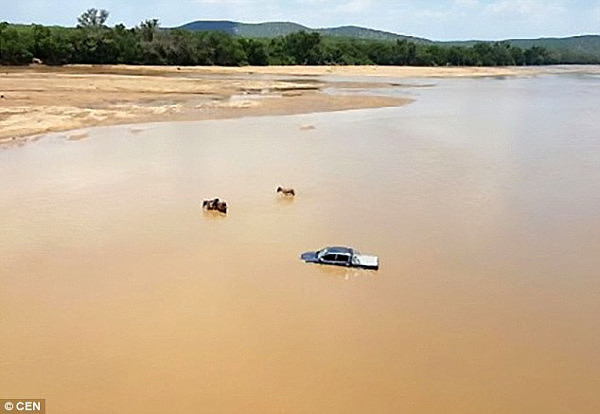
[286, 191]
[215, 204]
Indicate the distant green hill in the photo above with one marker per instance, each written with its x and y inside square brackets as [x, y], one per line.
[271, 29]
[369, 34]
[274, 29]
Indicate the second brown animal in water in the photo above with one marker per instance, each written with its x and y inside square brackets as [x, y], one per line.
[286, 191]
[215, 204]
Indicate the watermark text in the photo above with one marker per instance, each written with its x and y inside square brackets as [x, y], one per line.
[22, 405]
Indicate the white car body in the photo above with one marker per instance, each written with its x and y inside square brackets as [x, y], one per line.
[341, 256]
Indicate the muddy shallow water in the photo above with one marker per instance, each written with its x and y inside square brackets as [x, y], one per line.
[119, 294]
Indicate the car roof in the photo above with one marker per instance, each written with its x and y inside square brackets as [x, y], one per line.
[339, 249]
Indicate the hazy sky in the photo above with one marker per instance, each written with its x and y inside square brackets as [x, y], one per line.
[440, 20]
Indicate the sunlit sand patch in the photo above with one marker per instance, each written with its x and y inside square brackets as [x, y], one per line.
[165, 109]
[16, 141]
[68, 98]
[78, 136]
[235, 102]
[9, 142]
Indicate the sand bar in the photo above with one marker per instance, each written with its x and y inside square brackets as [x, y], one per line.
[39, 99]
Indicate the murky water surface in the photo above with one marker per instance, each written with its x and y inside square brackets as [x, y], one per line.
[482, 199]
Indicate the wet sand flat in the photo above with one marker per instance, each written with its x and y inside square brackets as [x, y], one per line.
[119, 294]
[39, 99]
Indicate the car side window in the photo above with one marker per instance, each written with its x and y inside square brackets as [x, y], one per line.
[329, 257]
[342, 258]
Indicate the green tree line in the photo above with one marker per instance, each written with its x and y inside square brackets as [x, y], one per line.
[92, 42]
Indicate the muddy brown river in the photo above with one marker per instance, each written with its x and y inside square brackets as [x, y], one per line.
[118, 294]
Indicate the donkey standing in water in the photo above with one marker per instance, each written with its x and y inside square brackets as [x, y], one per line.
[286, 191]
[215, 204]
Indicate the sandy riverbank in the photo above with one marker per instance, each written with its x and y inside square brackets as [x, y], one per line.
[38, 99]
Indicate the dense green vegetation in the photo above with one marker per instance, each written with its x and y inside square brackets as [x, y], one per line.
[93, 42]
[574, 49]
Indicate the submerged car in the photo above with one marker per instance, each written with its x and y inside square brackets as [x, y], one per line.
[341, 256]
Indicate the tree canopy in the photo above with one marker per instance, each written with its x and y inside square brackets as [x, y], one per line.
[92, 18]
[93, 42]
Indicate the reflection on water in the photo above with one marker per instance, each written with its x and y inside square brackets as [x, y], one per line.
[120, 294]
